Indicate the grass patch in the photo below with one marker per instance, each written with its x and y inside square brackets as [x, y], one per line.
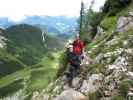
[124, 87]
[9, 79]
[40, 79]
[11, 88]
[118, 97]
[109, 23]
[44, 72]
[95, 96]
[9, 63]
[125, 11]
[96, 68]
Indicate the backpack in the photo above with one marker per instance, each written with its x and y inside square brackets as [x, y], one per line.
[74, 59]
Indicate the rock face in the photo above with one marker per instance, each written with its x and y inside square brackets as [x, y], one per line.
[124, 23]
[2, 39]
[99, 31]
[92, 84]
[131, 13]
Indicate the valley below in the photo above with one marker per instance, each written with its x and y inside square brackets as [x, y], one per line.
[27, 63]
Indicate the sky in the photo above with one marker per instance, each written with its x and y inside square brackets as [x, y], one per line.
[18, 9]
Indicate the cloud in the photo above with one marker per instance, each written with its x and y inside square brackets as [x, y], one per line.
[17, 9]
[98, 4]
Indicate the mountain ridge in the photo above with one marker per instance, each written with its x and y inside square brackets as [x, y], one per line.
[56, 25]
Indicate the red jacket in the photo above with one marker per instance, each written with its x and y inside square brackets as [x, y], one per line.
[78, 46]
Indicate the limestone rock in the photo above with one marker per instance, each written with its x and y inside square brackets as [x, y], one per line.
[124, 24]
[99, 58]
[70, 95]
[87, 87]
[112, 42]
[95, 77]
[57, 89]
[45, 97]
[35, 95]
[130, 75]
[131, 13]
[92, 84]
[100, 31]
[76, 82]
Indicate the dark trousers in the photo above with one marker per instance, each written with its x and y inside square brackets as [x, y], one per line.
[73, 72]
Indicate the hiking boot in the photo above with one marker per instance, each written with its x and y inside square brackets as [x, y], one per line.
[70, 83]
[66, 87]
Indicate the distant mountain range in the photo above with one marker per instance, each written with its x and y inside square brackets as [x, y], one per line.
[6, 22]
[55, 25]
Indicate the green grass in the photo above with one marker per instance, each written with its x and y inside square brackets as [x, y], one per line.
[10, 89]
[118, 97]
[109, 23]
[9, 63]
[9, 79]
[124, 87]
[95, 96]
[125, 11]
[38, 76]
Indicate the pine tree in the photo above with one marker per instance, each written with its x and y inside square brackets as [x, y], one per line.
[81, 18]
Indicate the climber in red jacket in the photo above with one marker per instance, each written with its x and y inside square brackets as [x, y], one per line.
[78, 46]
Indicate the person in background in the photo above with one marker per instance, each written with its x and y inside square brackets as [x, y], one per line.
[79, 50]
[78, 46]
